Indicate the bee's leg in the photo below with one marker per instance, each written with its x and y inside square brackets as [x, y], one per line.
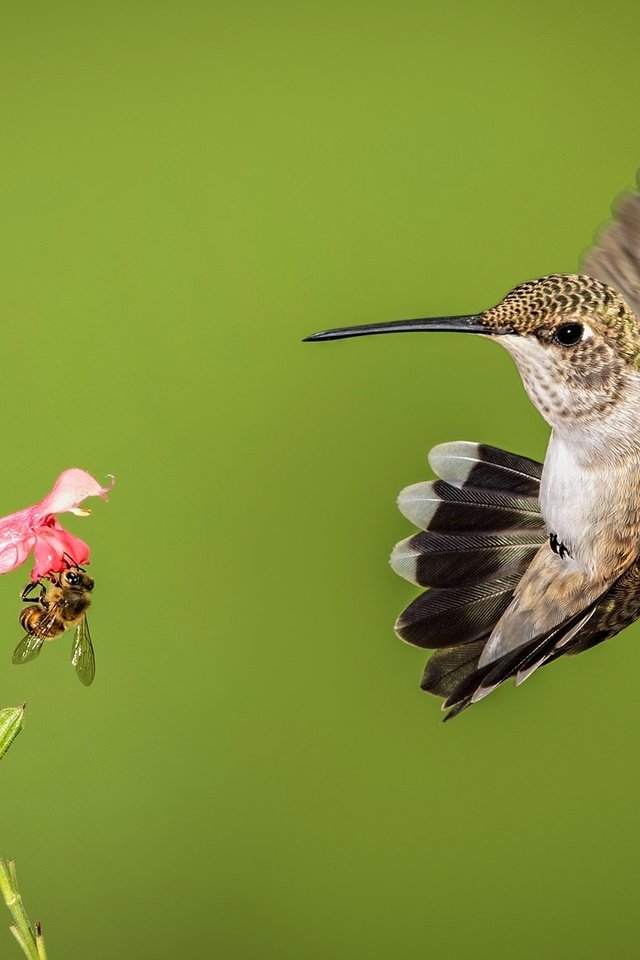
[26, 597]
[42, 598]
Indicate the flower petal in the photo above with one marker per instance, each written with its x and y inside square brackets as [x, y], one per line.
[70, 489]
[52, 542]
[14, 554]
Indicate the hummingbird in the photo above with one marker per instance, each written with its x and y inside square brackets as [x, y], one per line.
[525, 562]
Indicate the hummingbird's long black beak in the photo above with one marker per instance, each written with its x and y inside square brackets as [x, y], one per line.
[468, 324]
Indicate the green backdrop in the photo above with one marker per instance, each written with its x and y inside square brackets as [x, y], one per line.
[187, 190]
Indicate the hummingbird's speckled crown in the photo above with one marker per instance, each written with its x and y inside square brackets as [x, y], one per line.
[538, 305]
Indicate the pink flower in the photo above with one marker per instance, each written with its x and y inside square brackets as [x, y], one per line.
[37, 529]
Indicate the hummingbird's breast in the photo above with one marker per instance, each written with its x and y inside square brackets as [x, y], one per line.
[591, 508]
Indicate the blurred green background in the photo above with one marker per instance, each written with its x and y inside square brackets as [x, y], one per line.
[187, 190]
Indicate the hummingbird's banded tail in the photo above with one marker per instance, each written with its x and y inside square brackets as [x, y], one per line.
[481, 527]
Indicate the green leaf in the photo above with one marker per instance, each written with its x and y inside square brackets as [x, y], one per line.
[11, 723]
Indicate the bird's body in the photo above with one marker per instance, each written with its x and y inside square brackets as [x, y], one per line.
[525, 563]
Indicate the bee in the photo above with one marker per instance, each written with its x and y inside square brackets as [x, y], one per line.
[62, 603]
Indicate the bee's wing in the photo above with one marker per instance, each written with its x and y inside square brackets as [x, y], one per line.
[82, 655]
[28, 649]
[31, 645]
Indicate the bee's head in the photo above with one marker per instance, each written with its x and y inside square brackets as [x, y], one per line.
[77, 579]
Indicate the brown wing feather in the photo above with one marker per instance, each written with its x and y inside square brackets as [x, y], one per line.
[615, 256]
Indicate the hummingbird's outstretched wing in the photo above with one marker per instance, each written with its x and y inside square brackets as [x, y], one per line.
[482, 532]
[615, 257]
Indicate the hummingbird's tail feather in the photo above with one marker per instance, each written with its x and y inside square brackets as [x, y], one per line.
[432, 559]
[458, 615]
[466, 464]
[438, 505]
[520, 663]
[449, 666]
[481, 527]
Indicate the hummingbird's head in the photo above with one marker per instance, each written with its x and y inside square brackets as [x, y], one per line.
[576, 344]
[574, 339]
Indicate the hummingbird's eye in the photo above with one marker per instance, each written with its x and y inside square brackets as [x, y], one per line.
[569, 334]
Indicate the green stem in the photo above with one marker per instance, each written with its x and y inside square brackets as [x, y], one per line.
[30, 941]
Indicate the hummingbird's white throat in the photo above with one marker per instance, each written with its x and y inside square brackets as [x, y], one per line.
[599, 415]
